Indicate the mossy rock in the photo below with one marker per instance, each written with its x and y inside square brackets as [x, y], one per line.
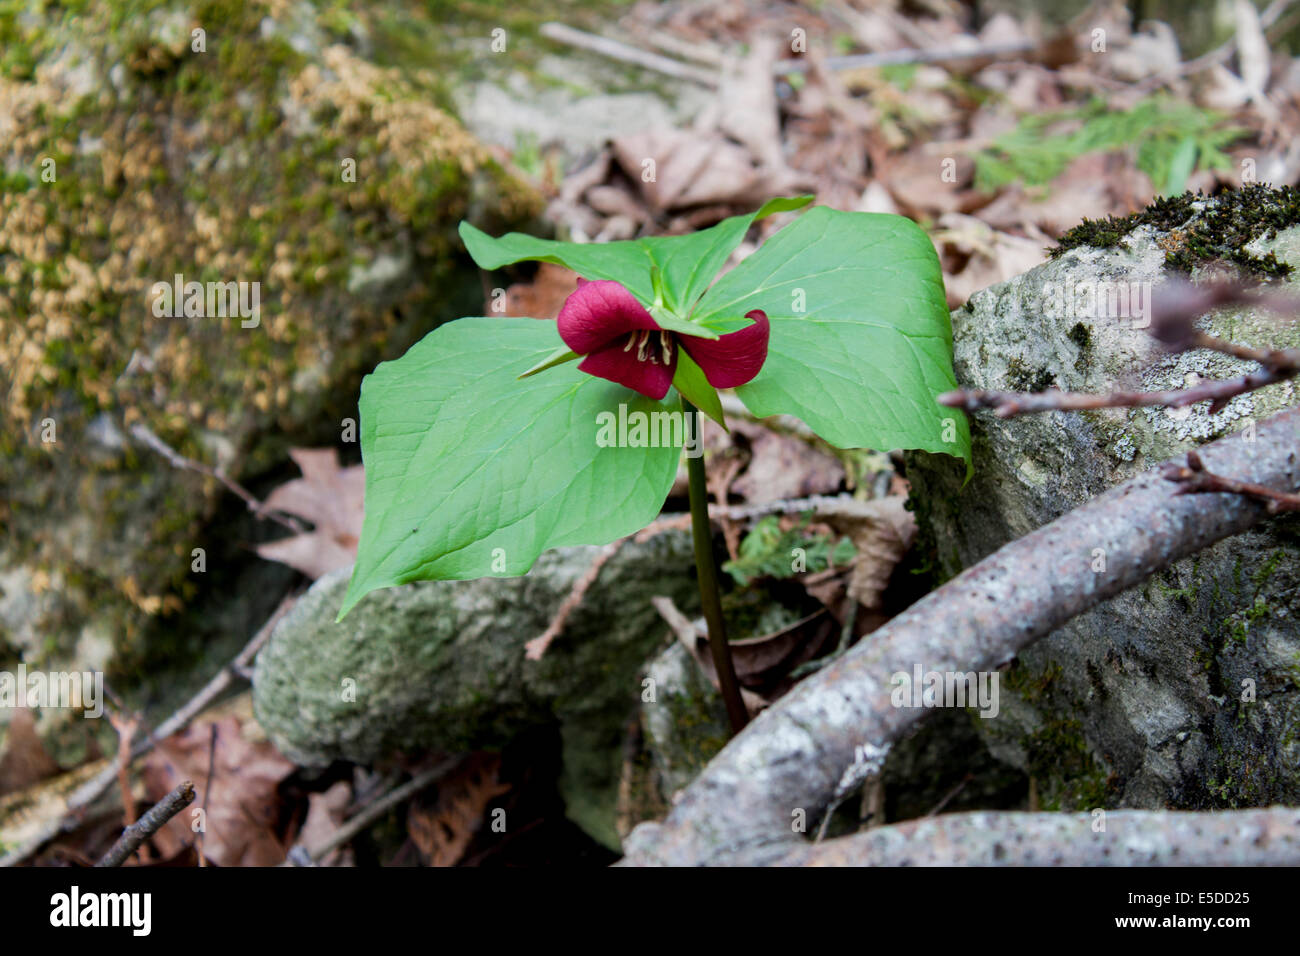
[134, 148]
[1143, 701]
[440, 665]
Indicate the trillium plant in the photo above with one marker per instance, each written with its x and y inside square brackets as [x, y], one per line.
[492, 439]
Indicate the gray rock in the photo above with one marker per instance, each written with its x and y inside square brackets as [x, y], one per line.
[1144, 701]
[684, 719]
[440, 665]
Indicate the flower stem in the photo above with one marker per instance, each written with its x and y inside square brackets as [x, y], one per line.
[707, 573]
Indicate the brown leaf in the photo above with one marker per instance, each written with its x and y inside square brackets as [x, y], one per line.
[239, 802]
[443, 831]
[25, 760]
[325, 814]
[782, 466]
[541, 298]
[331, 498]
[881, 536]
[690, 169]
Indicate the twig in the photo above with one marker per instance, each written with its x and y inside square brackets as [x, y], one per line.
[373, 812]
[535, 648]
[678, 622]
[149, 824]
[207, 788]
[795, 754]
[1195, 480]
[951, 795]
[126, 728]
[858, 61]
[145, 436]
[1010, 404]
[624, 53]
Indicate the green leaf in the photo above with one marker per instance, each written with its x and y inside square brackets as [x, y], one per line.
[689, 379]
[686, 264]
[1181, 165]
[471, 472]
[558, 357]
[862, 363]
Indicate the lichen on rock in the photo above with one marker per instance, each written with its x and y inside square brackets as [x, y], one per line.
[1184, 691]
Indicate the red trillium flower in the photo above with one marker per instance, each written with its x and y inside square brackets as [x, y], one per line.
[603, 321]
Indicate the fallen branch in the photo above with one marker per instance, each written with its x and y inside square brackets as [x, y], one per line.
[862, 61]
[615, 50]
[1130, 838]
[149, 824]
[834, 729]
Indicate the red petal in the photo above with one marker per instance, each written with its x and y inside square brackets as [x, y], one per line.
[649, 378]
[599, 312]
[736, 357]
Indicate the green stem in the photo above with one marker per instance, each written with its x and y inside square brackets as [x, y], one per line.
[707, 573]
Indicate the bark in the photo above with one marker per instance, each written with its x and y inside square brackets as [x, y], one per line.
[814, 746]
[1130, 838]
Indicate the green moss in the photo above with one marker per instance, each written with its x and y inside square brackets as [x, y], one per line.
[1201, 230]
[237, 192]
[1022, 378]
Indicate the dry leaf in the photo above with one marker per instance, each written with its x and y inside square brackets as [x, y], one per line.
[442, 832]
[325, 815]
[25, 761]
[239, 802]
[332, 499]
[882, 534]
[782, 466]
[541, 298]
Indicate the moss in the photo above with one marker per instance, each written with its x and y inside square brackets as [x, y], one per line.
[1080, 335]
[1202, 230]
[221, 166]
[1021, 378]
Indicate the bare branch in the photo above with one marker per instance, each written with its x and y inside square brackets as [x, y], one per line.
[1195, 480]
[142, 433]
[300, 855]
[149, 824]
[535, 648]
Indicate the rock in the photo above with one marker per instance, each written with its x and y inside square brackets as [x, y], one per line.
[1146, 700]
[440, 665]
[135, 147]
[685, 723]
[573, 104]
